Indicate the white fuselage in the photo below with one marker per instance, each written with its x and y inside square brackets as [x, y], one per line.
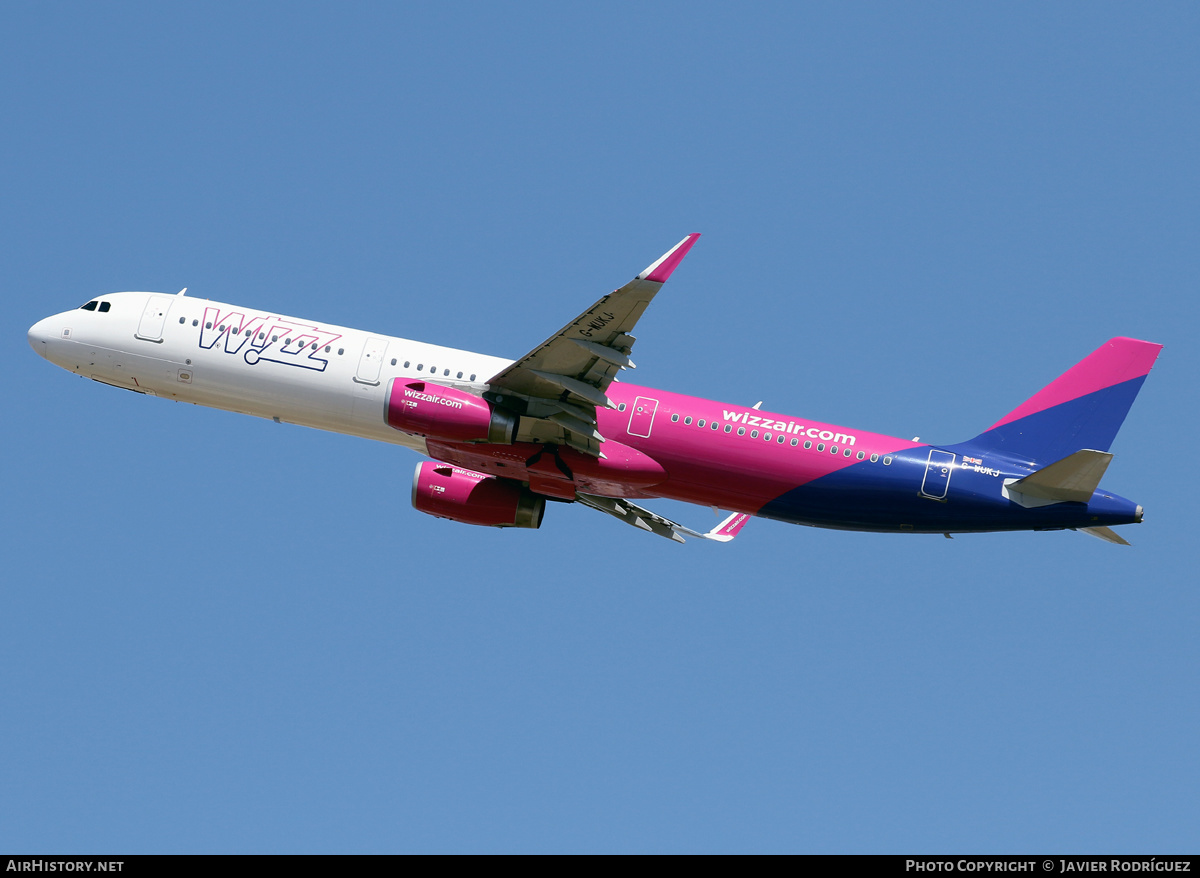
[254, 362]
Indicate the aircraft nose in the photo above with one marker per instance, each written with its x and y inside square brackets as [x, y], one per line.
[39, 334]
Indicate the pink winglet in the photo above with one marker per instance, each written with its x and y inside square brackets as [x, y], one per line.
[731, 526]
[661, 270]
[1115, 361]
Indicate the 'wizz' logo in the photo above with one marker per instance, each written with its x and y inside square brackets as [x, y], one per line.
[267, 338]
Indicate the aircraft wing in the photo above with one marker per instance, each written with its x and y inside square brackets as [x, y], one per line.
[558, 385]
[631, 513]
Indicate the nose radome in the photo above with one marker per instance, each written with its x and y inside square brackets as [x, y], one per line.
[39, 334]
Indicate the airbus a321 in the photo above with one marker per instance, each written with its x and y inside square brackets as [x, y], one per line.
[506, 436]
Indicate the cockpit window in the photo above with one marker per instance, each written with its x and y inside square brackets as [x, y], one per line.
[104, 306]
[90, 306]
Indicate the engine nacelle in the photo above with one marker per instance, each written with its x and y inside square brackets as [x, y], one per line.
[469, 497]
[428, 409]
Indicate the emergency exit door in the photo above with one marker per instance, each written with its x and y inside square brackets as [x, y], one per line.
[937, 474]
[641, 418]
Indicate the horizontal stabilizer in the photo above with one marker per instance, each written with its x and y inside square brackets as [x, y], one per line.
[1104, 533]
[1071, 480]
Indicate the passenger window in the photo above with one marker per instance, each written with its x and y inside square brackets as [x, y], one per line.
[406, 362]
[274, 338]
[820, 446]
[741, 431]
[700, 423]
[472, 376]
[781, 437]
[860, 455]
[208, 325]
[459, 374]
[341, 351]
[688, 420]
[674, 418]
[419, 367]
[887, 461]
[874, 458]
[753, 434]
[104, 306]
[767, 436]
[728, 429]
[807, 444]
[182, 320]
[848, 452]
[833, 449]
[795, 442]
[446, 373]
[314, 345]
[712, 424]
[90, 306]
[195, 323]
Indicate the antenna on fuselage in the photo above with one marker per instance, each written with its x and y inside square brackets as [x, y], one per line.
[757, 405]
[181, 292]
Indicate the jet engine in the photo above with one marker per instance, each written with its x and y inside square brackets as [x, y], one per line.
[428, 409]
[469, 497]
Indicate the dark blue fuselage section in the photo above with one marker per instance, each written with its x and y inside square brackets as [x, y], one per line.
[923, 491]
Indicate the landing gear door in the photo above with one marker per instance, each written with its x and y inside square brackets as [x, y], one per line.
[937, 474]
[642, 417]
[150, 328]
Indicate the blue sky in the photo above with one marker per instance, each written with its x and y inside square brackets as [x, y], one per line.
[224, 635]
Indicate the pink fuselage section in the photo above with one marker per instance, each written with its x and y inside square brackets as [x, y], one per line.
[661, 444]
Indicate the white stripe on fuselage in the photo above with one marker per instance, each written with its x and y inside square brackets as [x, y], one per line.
[258, 363]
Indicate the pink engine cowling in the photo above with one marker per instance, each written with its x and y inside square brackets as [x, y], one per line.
[469, 497]
[427, 409]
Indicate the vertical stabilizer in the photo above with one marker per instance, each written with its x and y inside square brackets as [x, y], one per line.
[1082, 408]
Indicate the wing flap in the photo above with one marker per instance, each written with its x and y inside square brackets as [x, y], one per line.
[577, 426]
[573, 385]
[576, 365]
[606, 353]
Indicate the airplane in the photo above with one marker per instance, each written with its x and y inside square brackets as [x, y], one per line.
[506, 436]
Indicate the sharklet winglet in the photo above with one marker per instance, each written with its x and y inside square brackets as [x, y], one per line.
[669, 261]
[729, 528]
